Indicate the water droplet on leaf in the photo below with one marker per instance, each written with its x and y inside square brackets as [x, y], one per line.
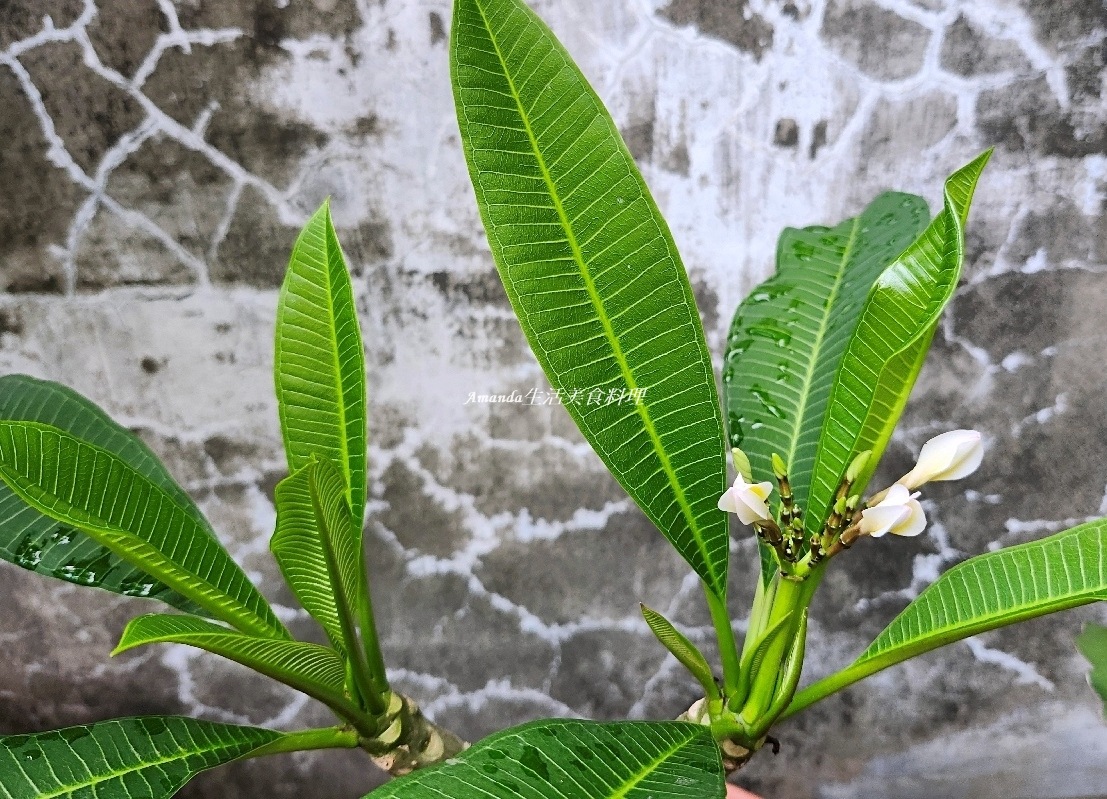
[29, 552]
[802, 250]
[766, 400]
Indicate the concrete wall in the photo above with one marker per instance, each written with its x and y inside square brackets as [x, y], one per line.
[157, 158]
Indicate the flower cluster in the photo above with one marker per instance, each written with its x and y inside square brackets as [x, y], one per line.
[950, 456]
[895, 510]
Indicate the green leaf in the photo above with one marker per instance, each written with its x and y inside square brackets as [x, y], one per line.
[683, 650]
[121, 759]
[319, 360]
[789, 335]
[592, 272]
[37, 542]
[321, 559]
[576, 760]
[1093, 645]
[319, 550]
[884, 355]
[95, 491]
[315, 670]
[989, 591]
[754, 657]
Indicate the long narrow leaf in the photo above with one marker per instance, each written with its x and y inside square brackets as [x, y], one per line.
[989, 591]
[316, 670]
[592, 272]
[94, 491]
[121, 759]
[319, 360]
[576, 760]
[882, 358]
[37, 542]
[683, 650]
[789, 335]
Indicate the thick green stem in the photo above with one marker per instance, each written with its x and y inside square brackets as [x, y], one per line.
[790, 599]
[728, 646]
[325, 738]
[759, 614]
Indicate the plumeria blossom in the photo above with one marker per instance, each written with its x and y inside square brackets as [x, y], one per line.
[950, 456]
[747, 500]
[898, 513]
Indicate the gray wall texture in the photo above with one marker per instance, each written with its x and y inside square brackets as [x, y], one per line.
[156, 158]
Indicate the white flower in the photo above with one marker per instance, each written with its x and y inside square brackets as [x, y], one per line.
[898, 513]
[747, 500]
[950, 456]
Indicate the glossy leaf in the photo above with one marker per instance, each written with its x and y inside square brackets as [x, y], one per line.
[592, 272]
[1093, 645]
[989, 591]
[682, 649]
[789, 335]
[37, 542]
[121, 759]
[92, 490]
[319, 360]
[315, 670]
[883, 356]
[320, 560]
[576, 759]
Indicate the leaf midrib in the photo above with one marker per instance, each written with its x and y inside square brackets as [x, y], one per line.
[340, 388]
[644, 771]
[820, 337]
[69, 789]
[649, 768]
[597, 303]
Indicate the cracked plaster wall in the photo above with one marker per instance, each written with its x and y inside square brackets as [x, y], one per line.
[158, 156]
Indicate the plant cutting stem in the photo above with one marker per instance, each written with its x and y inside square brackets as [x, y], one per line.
[728, 646]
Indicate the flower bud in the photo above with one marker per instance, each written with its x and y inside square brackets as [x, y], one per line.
[747, 500]
[898, 513]
[780, 469]
[858, 464]
[950, 456]
[741, 463]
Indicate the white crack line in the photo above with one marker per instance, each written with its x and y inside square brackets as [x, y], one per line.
[156, 122]
[1042, 416]
[1025, 672]
[445, 695]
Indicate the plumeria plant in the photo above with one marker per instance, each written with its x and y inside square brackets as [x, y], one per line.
[819, 363]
